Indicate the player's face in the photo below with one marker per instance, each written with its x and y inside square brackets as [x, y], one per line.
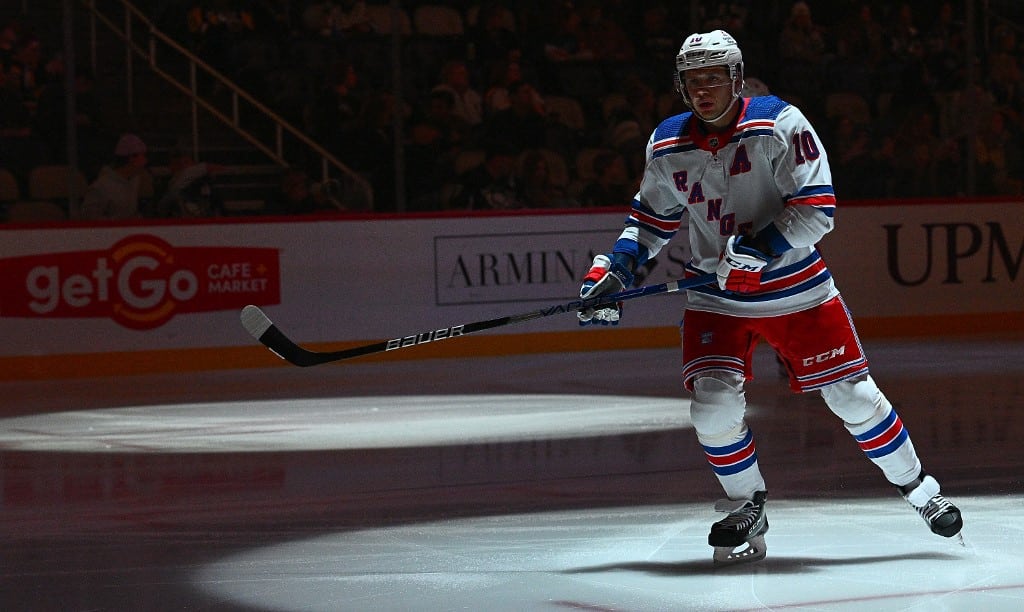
[710, 90]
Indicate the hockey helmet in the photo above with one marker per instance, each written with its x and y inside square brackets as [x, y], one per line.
[716, 48]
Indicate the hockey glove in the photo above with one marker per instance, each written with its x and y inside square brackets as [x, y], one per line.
[740, 267]
[606, 276]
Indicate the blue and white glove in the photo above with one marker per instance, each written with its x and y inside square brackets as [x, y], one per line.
[740, 267]
[607, 275]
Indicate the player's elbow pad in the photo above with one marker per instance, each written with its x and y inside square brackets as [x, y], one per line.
[801, 226]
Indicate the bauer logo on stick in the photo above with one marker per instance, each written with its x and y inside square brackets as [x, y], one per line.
[425, 337]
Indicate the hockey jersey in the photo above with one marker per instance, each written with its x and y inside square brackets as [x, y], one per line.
[769, 173]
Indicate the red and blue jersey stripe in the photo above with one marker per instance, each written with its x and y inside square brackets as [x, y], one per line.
[776, 284]
[821, 197]
[659, 225]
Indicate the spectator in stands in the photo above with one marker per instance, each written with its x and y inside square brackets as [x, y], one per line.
[1000, 158]
[298, 195]
[929, 163]
[904, 34]
[853, 166]
[944, 46]
[92, 136]
[859, 49]
[350, 17]
[801, 55]
[190, 192]
[440, 124]
[316, 18]
[336, 107]
[336, 19]
[215, 27]
[726, 15]
[912, 88]
[369, 146]
[567, 41]
[538, 187]
[754, 87]
[643, 104]
[905, 53]
[21, 147]
[523, 125]
[497, 98]
[491, 41]
[436, 136]
[974, 103]
[572, 66]
[657, 45]
[10, 32]
[560, 48]
[1005, 74]
[871, 35]
[603, 34]
[30, 71]
[468, 102]
[611, 185]
[492, 185]
[625, 135]
[115, 192]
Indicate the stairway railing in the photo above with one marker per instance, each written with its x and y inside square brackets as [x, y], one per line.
[144, 40]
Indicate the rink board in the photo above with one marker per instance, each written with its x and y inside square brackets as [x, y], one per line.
[86, 300]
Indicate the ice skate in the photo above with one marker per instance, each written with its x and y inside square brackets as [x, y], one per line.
[746, 524]
[942, 517]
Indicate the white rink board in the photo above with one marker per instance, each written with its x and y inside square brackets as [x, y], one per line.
[367, 280]
[928, 259]
[339, 280]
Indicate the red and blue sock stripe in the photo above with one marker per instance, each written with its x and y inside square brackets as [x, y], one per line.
[883, 439]
[734, 458]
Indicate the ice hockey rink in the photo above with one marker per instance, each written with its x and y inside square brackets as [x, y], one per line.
[568, 481]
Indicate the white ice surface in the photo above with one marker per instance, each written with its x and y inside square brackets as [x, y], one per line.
[544, 482]
[822, 555]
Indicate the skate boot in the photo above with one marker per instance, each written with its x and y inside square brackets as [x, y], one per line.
[746, 524]
[942, 517]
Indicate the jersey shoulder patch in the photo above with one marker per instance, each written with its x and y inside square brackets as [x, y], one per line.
[765, 107]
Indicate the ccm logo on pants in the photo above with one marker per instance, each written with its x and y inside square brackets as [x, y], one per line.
[826, 356]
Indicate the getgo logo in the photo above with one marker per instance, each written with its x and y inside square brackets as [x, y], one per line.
[140, 282]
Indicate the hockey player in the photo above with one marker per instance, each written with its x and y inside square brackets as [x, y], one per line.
[753, 180]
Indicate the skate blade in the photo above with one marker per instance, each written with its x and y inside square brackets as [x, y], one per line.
[726, 555]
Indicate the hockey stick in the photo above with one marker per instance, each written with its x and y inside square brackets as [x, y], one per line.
[263, 329]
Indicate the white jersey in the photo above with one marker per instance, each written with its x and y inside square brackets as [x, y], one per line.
[770, 173]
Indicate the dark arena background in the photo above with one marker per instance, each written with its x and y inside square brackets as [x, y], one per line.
[368, 172]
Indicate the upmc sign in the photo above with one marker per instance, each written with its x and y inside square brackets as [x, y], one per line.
[140, 282]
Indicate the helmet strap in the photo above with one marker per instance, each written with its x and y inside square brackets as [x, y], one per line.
[736, 89]
[735, 97]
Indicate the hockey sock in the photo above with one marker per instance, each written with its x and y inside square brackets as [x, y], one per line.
[733, 458]
[886, 442]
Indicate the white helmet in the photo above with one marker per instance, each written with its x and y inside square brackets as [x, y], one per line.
[716, 48]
